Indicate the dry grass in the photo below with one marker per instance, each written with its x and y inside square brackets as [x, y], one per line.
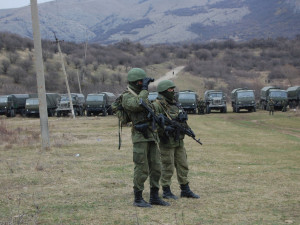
[247, 172]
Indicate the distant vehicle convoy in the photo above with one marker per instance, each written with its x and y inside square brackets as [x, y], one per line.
[293, 94]
[13, 104]
[188, 100]
[242, 98]
[215, 100]
[32, 105]
[64, 105]
[278, 96]
[100, 103]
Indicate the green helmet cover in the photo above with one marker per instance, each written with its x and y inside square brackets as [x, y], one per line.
[136, 74]
[165, 85]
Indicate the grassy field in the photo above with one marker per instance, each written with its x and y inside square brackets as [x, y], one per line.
[246, 172]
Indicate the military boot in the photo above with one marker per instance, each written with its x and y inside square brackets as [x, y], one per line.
[138, 199]
[186, 192]
[155, 199]
[167, 193]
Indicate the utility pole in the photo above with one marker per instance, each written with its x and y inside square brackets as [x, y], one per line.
[40, 77]
[65, 74]
[79, 82]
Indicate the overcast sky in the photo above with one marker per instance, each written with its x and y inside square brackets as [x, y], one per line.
[6, 4]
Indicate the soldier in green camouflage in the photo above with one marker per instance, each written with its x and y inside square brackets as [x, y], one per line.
[173, 152]
[201, 106]
[146, 154]
[271, 107]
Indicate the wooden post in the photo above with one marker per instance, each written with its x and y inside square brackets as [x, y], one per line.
[65, 75]
[79, 82]
[40, 77]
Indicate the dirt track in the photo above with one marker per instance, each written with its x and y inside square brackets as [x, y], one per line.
[168, 76]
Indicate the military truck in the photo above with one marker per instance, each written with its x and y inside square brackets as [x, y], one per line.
[32, 105]
[188, 100]
[276, 94]
[215, 100]
[242, 98]
[64, 107]
[99, 103]
[13, 104]
[293, 94]
[152, 96]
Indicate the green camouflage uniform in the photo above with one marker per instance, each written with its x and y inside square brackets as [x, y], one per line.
[173, 152]
[201, 107]
[271, 107]
[146, 154]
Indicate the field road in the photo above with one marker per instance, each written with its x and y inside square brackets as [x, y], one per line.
[168, 76]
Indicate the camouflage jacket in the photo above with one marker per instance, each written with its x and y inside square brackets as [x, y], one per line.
[162, 106]
[138, 115]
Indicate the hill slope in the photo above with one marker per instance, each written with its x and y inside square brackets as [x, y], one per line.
[150, 22]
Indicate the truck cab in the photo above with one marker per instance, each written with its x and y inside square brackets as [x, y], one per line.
[97, 103]
[215, 100]
[242, 98]
[188, 100]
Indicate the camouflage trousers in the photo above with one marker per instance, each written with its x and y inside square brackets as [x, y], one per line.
[146, 158]
[271, 110]
[171, 158]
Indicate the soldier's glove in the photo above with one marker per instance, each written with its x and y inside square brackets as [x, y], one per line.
[146, 82]
[161, 120]
[169, 130]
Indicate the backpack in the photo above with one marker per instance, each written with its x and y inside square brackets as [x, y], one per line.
[123, 118]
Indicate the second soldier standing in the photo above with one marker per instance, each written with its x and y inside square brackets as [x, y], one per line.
[173, 152]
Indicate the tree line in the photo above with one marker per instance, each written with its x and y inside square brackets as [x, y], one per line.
[104, 68]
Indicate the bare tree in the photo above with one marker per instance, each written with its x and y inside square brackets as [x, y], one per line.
[5, 64]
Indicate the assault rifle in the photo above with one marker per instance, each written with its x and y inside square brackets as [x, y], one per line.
[164, 120]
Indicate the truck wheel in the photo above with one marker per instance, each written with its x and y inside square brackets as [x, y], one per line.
[225, 110]
[58, 114]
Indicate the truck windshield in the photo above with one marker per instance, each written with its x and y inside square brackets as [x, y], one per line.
[94, 98]
[215, 95]
[245, 94]
[280, 94]
[188, 96]
[3, 99]
[32, 101]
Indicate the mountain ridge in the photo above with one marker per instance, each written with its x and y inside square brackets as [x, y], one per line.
[152, 22]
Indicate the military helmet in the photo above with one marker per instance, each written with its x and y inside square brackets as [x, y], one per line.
[165, 85]
[136, 74]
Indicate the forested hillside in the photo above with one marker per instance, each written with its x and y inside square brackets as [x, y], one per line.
[215, 65]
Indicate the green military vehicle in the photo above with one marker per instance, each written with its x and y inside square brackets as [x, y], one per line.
[242, 98]
[99, 103]
[152, 96]
[278, 96]
[13, 104]
[32, 105]
[188, 100]
[64, 107]
[215, 100]
[293, 94]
